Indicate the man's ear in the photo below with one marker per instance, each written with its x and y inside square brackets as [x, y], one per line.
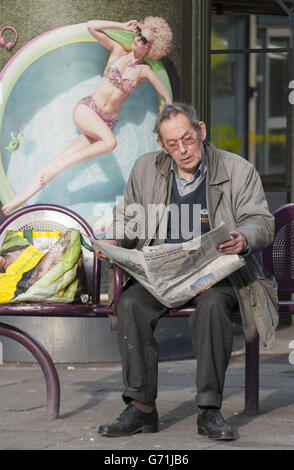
[202, 126]
[161, 144]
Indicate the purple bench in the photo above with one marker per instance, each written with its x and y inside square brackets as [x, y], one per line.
[52, 217]
[279, 261]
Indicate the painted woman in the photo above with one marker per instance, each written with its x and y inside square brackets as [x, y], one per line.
[96, 115]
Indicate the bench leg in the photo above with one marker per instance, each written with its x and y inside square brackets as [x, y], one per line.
[252, 377]
[45, 362]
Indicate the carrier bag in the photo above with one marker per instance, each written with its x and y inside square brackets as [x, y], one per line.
[27, 274]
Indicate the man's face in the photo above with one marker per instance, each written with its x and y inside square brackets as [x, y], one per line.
[183, 143]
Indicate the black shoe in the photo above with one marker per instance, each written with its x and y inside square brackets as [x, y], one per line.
[212, 424]
[131, 421]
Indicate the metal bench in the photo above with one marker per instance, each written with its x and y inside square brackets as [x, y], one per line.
[279, 261]
[52, 217]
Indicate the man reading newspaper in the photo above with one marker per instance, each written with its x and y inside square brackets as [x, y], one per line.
[175, 272]
[190, 173]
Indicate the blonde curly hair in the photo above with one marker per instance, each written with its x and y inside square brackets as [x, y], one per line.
[162, 35]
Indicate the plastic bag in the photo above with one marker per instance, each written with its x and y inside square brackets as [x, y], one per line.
[27, 274]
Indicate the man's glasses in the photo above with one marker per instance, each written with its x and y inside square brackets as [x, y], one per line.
[186, 141]
[142, 38]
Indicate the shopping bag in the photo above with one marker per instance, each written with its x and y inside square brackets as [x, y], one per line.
[28, 274]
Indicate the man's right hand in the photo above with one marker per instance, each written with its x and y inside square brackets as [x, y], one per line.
[99, 254]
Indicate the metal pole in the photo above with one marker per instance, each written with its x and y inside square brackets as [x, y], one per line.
[289, 11]
[291, 124]
[201, 30]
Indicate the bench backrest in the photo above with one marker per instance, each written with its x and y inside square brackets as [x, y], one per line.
[55, 217]
[279, 257]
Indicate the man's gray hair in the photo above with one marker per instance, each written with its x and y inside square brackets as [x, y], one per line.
[174, 109]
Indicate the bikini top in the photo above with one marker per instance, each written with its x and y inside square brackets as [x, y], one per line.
[125, 85]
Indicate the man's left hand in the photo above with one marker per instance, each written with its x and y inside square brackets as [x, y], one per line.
[233, 246]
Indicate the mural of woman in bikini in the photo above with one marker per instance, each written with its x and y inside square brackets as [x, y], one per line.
[96, 115]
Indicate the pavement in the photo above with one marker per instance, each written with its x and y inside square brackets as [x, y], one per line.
[91, 395]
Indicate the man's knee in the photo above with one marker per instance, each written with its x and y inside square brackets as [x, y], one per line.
[209, 301]
[212, 309]
[216, 299]
[126, 303]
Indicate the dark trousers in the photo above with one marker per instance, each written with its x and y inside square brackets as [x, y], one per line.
[211, 332]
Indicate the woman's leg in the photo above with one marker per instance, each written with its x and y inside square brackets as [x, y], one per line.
[99, 135]
[97, 139]
[38, 182]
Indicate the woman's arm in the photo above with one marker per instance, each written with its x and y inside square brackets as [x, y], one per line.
[158, 85]
[96, 27]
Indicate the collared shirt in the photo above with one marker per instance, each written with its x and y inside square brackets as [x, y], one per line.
[187, 186]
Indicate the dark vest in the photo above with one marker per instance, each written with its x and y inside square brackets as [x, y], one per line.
[185, 212]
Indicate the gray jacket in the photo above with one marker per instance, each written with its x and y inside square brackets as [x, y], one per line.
[235, 195]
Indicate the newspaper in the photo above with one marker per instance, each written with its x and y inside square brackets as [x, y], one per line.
[175, 273]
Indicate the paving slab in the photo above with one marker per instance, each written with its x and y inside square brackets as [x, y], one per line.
[91, 395]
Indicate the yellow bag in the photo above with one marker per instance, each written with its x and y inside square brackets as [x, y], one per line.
[17, 257]
[41, 239]
[27, 274]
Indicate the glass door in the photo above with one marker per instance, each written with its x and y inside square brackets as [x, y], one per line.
[270, 136]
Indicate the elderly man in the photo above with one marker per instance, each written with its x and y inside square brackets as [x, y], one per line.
[191, 171]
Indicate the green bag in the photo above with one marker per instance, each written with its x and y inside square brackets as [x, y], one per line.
[58, 276]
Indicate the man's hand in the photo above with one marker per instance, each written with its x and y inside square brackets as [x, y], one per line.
[99, 254]
[235, 245]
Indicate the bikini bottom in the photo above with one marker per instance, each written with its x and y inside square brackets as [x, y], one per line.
[109, 119]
